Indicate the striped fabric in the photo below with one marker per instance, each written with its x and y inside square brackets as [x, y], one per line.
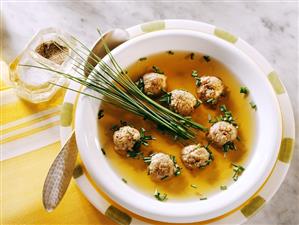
[29, 143]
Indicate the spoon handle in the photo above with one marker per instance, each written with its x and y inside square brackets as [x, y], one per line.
[60, 174]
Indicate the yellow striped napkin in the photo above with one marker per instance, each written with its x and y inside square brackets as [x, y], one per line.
[29, 143]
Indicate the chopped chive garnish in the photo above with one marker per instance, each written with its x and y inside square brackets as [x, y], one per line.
[198, 103]
[116, 127]
[211, 101]
[227, 116]
[159, 196]
[177, 171]
[123, 123]
[157, 70]
[244, 90]
[238, 170]
[198, 81]
[165, 177]
[253, 105]
[142, 58]
[143, 139]
[140, 83]
[170, 52]
[223, 187]
[166, 98]
[194, 73]
[207, 58]
[204, 198]
[193, 185]
[135, 152]
[147, 159]
[210, 118]
[229, 146]
[207, 146]
[124, 180]
[103, 151]
[192, 55]
[100, 114]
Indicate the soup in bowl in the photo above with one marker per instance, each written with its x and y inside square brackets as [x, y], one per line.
[157, 174]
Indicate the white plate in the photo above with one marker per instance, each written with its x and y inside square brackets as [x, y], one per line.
[267, 134]
[277, 86]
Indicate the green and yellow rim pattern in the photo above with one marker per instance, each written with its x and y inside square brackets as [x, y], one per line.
[252, 205]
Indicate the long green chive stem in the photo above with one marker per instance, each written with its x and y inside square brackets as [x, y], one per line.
[132, 86]
[117, 88]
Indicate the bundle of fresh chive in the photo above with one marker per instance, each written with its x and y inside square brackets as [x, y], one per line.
[117, 88]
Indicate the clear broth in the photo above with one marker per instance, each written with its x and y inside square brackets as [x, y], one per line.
[178, 68]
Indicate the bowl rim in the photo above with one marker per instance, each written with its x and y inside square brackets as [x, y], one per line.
[166, 217]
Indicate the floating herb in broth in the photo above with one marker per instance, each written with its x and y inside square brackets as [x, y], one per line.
[178, 68]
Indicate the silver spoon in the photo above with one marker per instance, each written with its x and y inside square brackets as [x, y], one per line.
[61, 170]
[60, 174]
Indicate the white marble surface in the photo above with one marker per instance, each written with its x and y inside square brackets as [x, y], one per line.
[272, 28]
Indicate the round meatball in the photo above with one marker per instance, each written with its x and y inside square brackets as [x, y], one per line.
[161, 167]
[210, 88]
[182, 102]
[195, 156]
[125, 138]
[154, 83]
[222, 132]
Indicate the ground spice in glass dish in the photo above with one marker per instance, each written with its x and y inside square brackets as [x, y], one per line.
[53, 51]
